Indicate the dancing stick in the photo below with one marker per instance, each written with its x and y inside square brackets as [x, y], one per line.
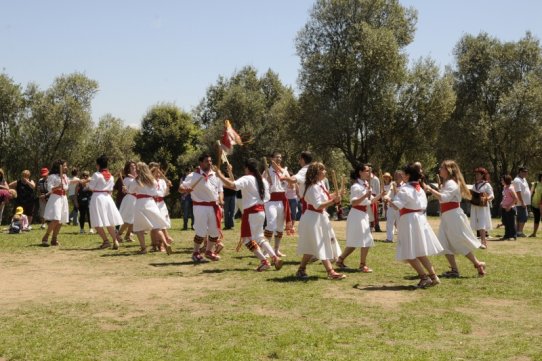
[334, 180]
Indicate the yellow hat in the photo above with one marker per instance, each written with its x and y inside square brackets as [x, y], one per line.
[19, 210]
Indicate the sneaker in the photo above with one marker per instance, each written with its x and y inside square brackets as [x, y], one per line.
[277, 262]
[264, 265]
[212, 256]
[81, 231]
[424, 282]
[453, 273]
[92, 231]
[301, 274]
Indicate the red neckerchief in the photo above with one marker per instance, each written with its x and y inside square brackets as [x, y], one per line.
[415, 185]
[205, 176]
[325, 191]
[106, 174]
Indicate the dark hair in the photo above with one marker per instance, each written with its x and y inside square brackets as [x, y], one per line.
[75, 171]
[523, 169]
[203, 157]
[507, 179]
[252, 165]
[275, 153]
[483, 172]
[126, 169]
[102, 161]
[55, 168]
[359, 168]
[306, 156]
[413, 171]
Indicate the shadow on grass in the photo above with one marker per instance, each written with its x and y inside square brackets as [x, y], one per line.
[171, 264]
[216, 270]
[292, 278]
[386, 288]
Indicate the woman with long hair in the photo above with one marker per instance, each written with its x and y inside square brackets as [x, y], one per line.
[455, 234]
[416, 239]
[358, 227]
[26, 194]
[315, 233]
[164, 186]
[127, 204]
[56, 210]
[508, 211]
[103, 211]
[255, 192]
[480, 212]
[147, 215]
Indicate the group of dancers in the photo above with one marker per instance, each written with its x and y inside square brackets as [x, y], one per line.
[266, 213]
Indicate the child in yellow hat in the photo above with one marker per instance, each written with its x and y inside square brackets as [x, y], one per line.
[19, 222]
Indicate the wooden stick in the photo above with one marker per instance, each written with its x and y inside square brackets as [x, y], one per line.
[334, 180]
[343, 181]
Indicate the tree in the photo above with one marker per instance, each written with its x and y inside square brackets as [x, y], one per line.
[11, 109]
[497, 120]
[352, 65]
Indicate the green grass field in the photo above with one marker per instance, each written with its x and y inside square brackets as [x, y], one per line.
[76, 302]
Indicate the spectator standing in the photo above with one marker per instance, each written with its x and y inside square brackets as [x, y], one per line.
[26, 198]
[536, 200]
[82, 198]
[74, 180]
[523, 191]
[229, 207]
[509, 199]
[3, 186]
[186, 204]
[42, 194]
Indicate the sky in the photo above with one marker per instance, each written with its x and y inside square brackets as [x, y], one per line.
[146, 52]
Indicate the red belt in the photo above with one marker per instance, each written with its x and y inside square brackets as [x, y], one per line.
[281, 197]
[59, 192]
[218, 213]
[158, 199]
[448, 206]
[311, 208]
[245, 225]
[404, 211]
[100, 191]
[141, 196]
[360, 208]
[303, 205]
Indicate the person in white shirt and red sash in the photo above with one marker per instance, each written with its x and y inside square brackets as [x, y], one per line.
[56, 210]
[455, 233]
[255, 192]
[305, 158]
[277, 209]
[206, 192]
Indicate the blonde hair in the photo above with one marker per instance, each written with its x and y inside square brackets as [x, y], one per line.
[312, 174]
[25, 173]
[144, 175]
[455, 173]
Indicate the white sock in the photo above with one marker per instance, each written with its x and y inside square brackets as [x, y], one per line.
[258, 253]
[267, 248]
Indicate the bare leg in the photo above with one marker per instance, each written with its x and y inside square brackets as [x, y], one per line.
[363, 255]
[483, 236]
[141, 237]
[452, 262]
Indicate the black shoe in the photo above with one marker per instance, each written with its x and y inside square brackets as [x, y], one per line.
[185, 228]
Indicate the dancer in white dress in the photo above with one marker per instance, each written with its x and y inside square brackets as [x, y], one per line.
[56, 210]
[392, 215]
[164, 186]
[315, 232]
[147, 215]
[358, 227]
[255, 192]
[455, 234]
[127, 205]
[103, 211]
[480, 211]
[416, 239]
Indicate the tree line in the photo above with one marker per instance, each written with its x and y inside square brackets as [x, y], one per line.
[360, 99]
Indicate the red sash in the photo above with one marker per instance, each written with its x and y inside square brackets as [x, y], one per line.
[404, 211]
[281, 197]
[141, 196]
[218, 213]
[59, 192]
[448, 206]
[311, 208]
[245, 225]
[158, 199]
[100, 191]
[360, 208]
[303, 205]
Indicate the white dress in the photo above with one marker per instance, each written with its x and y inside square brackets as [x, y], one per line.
[163, 191]
[147, 215]
[455, 234]
[57, 205]
[128, 202]
[316, 236]
[249, 189]
[415, 236]
[358, 228]
[480, 217]
[103, 211]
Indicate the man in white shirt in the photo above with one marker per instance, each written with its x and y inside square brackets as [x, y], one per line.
[523, 191]
[375, 190]
[74, 181]
[305, 158]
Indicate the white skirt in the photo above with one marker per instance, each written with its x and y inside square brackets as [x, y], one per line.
[416, 237]
[103, 211]
[455, 234]
[127, 208]
[165, 213]
[480, 218]
[57, 209]
[315, 236]
[358, 230]
[147, 215]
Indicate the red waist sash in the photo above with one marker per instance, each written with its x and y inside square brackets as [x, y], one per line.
[100, 191]
[448, 206]
[403, 211]
[158, 199]
[311, 208]
[141, 196]
[59, 192]
[303, 205]
[281, 197]
[360, 208]
[245, 224]
[218, 213]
